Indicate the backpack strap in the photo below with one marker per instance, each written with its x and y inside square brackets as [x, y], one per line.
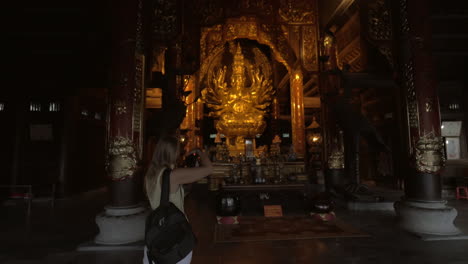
[165, 187]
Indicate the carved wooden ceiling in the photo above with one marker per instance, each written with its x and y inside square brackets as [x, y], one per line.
[288, 27]
[62, 40]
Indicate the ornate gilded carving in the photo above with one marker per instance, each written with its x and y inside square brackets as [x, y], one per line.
[404, 27]
[240, 108]
[159, 60]
[245, 27]
[165, 19]
[387, 52]
[138, 102]
[327, 42]
[139, 28]
[429, 105]
[296, 12]
[296, 30]
[120, 107]
[274, 37]
[189, 121]
[210, 39]
[413, 114]
[209, 11]
[412, 104]
[380, 27]
[264, 6]
[309, 48]
[285, 30]
[122, 162]
[429, 153]
[213, 39]
[139, 65]
[213, 59]
[336, 160]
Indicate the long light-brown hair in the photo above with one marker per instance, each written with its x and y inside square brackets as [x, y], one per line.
[165, 156]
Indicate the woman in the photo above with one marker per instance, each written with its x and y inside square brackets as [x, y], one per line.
[165, 156]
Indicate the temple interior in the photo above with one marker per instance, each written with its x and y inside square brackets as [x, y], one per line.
[337, 129]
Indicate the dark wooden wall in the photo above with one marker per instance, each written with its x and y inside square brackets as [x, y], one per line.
[86, 145]
[7, 139]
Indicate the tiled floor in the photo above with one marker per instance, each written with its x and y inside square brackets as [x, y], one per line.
[53, 235]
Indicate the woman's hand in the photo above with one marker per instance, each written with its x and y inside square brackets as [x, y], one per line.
[203, 156]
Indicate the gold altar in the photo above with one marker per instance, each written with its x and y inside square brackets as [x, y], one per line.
[245, 173]
[251, 87]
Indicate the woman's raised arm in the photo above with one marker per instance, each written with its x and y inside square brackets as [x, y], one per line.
[188, 175]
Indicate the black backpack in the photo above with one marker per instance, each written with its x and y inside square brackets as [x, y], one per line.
[168, 235]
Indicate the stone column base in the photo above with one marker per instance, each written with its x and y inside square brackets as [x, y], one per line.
[431, 217]
[121, 225]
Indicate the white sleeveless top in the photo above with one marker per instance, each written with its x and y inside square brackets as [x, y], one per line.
[154, 195]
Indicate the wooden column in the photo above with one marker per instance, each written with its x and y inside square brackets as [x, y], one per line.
[122, 221]
[275, 108]
[422, 210]
[199, 118]
[330, 89]
[121, 149]
[417, 78]
[297, 112]
[125, 103]
[275, 113]
[191, 113]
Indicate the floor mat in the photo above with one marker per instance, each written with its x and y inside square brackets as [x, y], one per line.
[257, 228]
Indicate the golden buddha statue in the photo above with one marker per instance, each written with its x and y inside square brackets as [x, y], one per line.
[240, 109]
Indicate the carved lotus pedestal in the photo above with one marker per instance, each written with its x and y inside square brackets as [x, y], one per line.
[121, 225]
[426, 217]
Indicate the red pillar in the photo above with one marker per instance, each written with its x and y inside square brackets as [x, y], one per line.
[417, 78]
[422, 210]
[124, 128]
[121, 150]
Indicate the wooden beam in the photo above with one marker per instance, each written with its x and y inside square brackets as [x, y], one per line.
[312, 91]
[283, 81]
[288, 117]
[153, 98]
[309, 83]
[312, 102]
[339, 11]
